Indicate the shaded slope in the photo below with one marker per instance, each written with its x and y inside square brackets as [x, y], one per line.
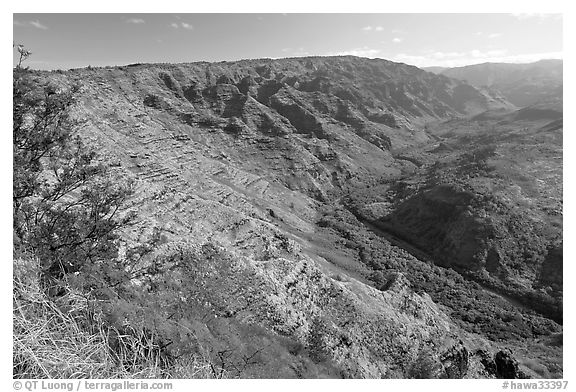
[521, 84]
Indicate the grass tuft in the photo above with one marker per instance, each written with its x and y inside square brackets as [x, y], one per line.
[67, 338]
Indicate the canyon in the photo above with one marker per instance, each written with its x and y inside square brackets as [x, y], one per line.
[337, 216]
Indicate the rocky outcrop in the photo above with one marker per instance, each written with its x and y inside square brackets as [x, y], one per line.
[455, 361]
[507, 366]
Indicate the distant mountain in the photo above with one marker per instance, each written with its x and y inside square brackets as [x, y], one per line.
[521, 84]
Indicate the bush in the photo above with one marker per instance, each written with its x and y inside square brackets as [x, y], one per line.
[67, 207]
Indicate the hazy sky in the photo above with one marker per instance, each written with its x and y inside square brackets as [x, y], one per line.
[77, 40]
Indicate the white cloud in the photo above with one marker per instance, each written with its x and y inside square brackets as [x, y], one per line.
[540, 16]
[457, 59]
[522, 16]
[18, 23]
[397, 40]
[135, 21]
[528, 57]
[38, 25]
[360, 52]
[184, 25]
[480, 54]
[491, 35]
[370, 28]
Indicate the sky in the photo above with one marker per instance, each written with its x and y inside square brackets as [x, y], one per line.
[62, 41]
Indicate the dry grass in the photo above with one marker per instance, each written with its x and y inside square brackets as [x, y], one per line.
[67, 339]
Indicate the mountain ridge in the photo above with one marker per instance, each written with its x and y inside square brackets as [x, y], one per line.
[523, 84]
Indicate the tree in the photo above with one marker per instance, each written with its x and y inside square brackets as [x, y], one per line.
[67, 207]
[24, 54]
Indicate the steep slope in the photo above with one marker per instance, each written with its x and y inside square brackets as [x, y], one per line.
[521, 84]
[243, 166]
[488, 204]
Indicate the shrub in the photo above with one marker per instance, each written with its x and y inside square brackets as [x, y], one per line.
[67, 207]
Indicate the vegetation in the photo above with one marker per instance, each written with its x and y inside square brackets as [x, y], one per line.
[70, 337]
[67, 207]
[24, 54]
[76, 312]
[471, 307]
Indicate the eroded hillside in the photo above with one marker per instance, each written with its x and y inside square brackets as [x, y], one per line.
[313, 219]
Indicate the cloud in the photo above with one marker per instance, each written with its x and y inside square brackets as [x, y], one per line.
[490, 53]
[417, 60]
[522, 16]
[360, 52]
[475, 56]
[370, 28]
[18, 23]
[184, 25]
[494, 35]
[135, 21]
[538, 16]
[38, 25]
[397, 40]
